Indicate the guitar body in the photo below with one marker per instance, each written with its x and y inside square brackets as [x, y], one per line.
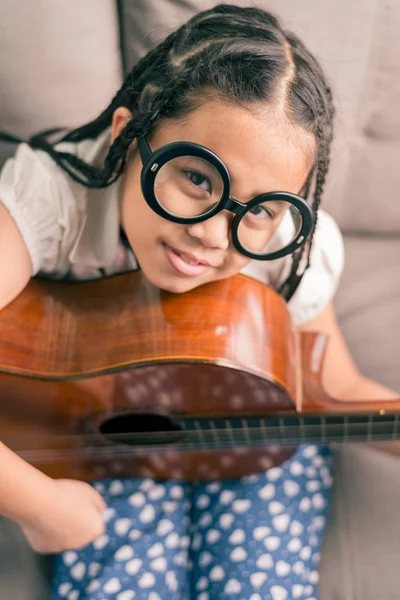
[115, 378]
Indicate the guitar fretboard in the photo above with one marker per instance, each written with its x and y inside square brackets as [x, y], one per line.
[221, 433]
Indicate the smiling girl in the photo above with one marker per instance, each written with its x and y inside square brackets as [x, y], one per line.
[210, 161]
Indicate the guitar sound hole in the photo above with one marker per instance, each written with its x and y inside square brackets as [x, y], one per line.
[139, 429]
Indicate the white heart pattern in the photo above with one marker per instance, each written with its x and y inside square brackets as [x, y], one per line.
[291, 488]
[124, 553]
[281, 522]
[265, 561]
[69, 558]
[156, 492]
[259, 533]
[272, 543]
[159, 564]
[78, 571]
[226, 520]
[241, 506]
[147, 580]
[282, 568]
[257, 579]
[133, 566]
[116, 488]
[217, 574]
[297, 590]
[275, 508]
[122, 526]
[148, 514]
[155, 550]
[238, 554]
[64, 588]
[112, 586]
[137, 499]
[278, 592]
[267, 492]
[232, 587]
[164, 527]
[101, 542]
[126, 595]
[237, 537]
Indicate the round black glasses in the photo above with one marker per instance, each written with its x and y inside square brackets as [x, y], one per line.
[187, 183]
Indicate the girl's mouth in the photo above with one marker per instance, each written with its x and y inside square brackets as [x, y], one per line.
[185, 264]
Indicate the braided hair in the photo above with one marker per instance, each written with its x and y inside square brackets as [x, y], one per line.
[243, 55]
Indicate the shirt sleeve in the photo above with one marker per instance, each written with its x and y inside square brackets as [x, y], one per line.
[38, 196]
[321, 280]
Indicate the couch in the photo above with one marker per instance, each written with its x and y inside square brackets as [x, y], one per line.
[62, 62]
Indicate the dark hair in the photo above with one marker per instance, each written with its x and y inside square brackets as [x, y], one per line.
[241, 54]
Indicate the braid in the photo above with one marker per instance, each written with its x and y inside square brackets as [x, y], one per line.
[322, 171]
[324, 135]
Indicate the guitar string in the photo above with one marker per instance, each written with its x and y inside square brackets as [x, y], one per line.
[211, 431]
[132, 451]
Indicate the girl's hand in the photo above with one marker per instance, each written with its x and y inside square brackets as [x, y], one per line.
[72, 521]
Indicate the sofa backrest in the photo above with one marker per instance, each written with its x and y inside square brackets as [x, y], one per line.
[60, 62]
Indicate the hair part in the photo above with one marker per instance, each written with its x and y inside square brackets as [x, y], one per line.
[242, 55]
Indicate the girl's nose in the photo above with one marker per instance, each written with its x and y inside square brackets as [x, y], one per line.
[214, 232]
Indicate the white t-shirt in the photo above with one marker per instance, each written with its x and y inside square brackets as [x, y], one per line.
[74, 232]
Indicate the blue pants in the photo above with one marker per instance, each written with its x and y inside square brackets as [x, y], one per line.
[255, 538]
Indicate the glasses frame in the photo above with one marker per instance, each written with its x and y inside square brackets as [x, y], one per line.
[152, 162]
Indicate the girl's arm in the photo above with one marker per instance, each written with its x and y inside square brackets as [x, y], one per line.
[54, 515]
[15, 263]
[19, 481]
[341, 378]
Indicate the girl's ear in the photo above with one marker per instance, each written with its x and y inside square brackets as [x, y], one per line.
[120, 118]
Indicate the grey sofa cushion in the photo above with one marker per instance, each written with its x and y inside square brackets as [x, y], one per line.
[368, 306]
[24, 575]
[360, 555]
[60, 62]
[359, 48]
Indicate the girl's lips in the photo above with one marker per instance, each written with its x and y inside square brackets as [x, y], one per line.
[184, 263]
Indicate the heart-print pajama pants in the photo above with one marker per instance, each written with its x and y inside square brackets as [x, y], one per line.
[254, 538]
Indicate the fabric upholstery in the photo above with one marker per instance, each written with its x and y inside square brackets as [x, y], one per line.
[24, 575]
[60, 63]
[367, 305]
[360, 556]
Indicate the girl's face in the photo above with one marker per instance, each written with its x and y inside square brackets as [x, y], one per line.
[262, 153]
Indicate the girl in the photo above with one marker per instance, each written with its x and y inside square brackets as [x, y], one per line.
[210, 160]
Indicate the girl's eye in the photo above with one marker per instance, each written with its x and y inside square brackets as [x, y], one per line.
[261, 212]
[199, 180]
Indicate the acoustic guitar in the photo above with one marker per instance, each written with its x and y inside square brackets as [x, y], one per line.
[116, 378]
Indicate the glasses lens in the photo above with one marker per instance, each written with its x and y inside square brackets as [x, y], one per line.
[188, 186]
[269, 227]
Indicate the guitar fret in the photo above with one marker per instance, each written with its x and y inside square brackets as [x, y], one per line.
[282, 432]
[395, 427]
[228, 428]
[246, 432]
[346, 428]
[323, 430]
[264, 429]
[370, 428]
[199, 430]
[214, 433]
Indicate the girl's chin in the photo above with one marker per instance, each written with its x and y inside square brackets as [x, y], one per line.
[179, 287]
[171, 283]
